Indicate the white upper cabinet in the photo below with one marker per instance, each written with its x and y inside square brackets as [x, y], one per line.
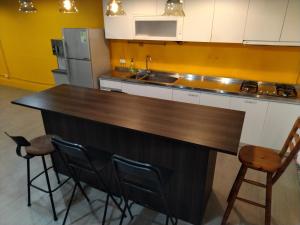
[117, 27]
[272, 22]
[198, 20]
[140, 7]
[229, 21]
[291, 27]
[165, 28]
[265, 20]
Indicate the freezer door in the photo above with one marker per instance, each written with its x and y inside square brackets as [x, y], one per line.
[77, 44]
[80, 73]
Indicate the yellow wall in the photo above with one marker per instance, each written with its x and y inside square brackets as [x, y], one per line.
[278, 64]
[25, 50]
[26, 38]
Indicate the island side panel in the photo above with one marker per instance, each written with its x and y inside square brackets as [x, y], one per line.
[193, 166]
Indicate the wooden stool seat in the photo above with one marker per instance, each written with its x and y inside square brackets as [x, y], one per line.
[40, 146]
[259, 158]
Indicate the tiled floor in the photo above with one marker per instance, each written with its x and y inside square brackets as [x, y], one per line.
[14, 210]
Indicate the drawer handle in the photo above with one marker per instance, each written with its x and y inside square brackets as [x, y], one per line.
[193, 95]
[250, 102]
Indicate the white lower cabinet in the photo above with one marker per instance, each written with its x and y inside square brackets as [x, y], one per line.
[148, 91]
[256, 111]
[279, 121]
[215, 100]
[110, 85]
[186, 96]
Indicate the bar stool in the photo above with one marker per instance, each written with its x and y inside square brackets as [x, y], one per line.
[268, 161]
[39, 146]
[142, 178]
[78, 159]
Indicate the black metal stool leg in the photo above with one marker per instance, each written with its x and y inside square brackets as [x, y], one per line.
[105, 210]
[167, 220]
[123, 215]
[28, 183]
[129, 210]
[55, 170]
[49, 188]
[69, 205]
[83, 192]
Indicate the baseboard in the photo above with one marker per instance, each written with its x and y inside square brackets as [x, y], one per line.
[11, 82]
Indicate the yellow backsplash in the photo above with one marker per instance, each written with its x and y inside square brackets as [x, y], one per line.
[265, 63]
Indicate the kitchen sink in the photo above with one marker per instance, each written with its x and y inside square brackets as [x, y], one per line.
[162, 78]
[159, 77]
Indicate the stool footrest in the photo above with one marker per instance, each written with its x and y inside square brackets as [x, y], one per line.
[254, 183]
[53, 190]
[38, 175]
[251, 202]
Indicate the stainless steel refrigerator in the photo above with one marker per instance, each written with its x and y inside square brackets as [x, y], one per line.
[87, 56]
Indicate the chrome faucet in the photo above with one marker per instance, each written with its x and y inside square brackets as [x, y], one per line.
[148, 59]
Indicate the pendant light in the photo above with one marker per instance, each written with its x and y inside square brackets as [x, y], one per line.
[174, 8]
[115, 8]
[68, 6]
[26, 6]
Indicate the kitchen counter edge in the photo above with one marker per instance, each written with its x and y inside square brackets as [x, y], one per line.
[213, 91]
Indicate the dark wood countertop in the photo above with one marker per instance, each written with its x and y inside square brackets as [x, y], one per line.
[214, 128]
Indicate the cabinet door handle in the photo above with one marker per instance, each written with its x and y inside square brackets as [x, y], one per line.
[250, 102]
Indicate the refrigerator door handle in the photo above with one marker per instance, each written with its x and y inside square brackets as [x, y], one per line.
[65, 49]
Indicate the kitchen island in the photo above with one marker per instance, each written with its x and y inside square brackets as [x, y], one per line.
[183, 138]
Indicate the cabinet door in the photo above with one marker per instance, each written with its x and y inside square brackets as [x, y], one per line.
[186, 96]
[229, 21]
[140, 7]
[198, 20]
[291, 27]
[158, 92]
[117, 27]
[110, 85]
[254, 119]
[215, 100]
[134, 89]
[279, 122]
[265, 20]
[148, 91]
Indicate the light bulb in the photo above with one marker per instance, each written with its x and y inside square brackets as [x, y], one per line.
[114, 7]
[26, 6]
[67, 4]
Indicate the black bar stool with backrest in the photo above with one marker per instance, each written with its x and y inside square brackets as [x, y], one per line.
[39, 146]
[78, 159]
[137, 177]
